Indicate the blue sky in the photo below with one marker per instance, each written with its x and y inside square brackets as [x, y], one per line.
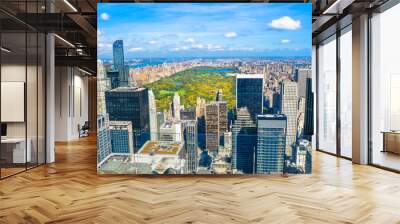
[205, 29]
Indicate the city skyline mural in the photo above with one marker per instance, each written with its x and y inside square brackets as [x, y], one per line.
[210, 88]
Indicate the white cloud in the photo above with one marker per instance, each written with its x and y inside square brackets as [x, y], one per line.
[190, 40]
[212, 47]
[230, 35]
[152, 42]
[104, 45]
[209, 47]
[285, 41]
[105, 16]
[136, 49]
[285, 23]
[198, 46]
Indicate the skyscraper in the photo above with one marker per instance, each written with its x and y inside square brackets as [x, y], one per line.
[152, 116]
[222, 120]
[289, 108]
[190, 136]
[216, 121]
[201, 122]
[212, 128]
[244, 142]
[249, 93]
[301, 75]
[103, 84]
[119, 62]
[223, 112]
[103, 138]
[131, 104]
[271, 140]
[176, 107]
[121, 133]
[308, 114]
[113, 76]
[300, 115]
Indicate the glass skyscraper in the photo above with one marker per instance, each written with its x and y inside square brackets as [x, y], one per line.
[249, 93]
[131, 104]
[121, 136]
[103, 138]
[190, 136]
[271, 140]
[309, 111]
[113, 76]
[119, 62]
[244, 141]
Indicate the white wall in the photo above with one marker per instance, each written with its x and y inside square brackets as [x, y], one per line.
[71, 102]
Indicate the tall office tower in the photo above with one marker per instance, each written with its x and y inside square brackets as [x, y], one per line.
[219, 95]
[176, 107]
[113, 76]
[119, 62]
[152, 116]
[244, 142]
[300, 115]
[301, 76]
[200, 107]
[308, 129]
[190, 137]
[171, 131]
[222, 116]
[266, 74]
[103, 84]
[271, 140]
[249, 93]
[201, 122]
[212, 128]
[188, 114]
[289, 108]
[131, 104]
[103, 138]
[160, 121]
[121, 133]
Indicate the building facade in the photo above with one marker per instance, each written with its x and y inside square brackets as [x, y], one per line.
[212, 128]
[121, 133]
[153, 116]
[103, 138]
[244, 142]
[289, 109]
[249, 93]
[271, 140]
[131, 104]
[119, 62]
[190, 138]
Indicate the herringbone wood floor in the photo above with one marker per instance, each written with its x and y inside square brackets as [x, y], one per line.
[70, 191]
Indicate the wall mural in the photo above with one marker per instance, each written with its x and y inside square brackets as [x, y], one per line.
[210, 88]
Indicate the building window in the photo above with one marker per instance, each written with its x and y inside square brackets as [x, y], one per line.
[327, 95]
[346, 92]
[385, 89]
